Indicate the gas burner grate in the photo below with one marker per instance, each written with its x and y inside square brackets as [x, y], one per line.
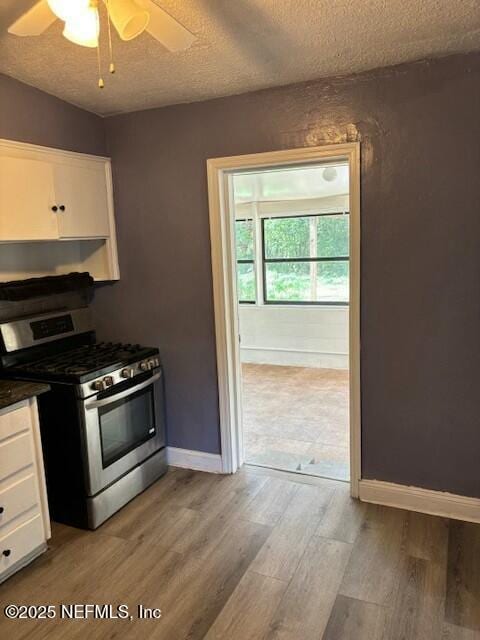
[87, 359]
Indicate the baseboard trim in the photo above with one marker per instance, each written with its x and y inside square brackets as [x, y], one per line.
[289, 350]
[437, 503]
[197, 460]
[294, 357]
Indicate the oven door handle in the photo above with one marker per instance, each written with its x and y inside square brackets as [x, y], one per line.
[123, 394]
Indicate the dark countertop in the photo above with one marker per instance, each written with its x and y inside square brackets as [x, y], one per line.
[13, 391]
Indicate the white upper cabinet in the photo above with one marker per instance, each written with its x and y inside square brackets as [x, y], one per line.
[56, 213]
[47, 194]
[26, 199]
[81, 196]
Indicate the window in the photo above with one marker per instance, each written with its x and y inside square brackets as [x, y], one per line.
[305, 259]
[244, 238]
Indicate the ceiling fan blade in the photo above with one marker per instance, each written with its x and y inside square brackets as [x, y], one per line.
[34, 22]
[166, 29]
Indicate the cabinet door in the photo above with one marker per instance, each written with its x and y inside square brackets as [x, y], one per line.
[26, 199]
[82, 189]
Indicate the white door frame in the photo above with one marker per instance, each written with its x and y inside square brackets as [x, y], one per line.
[219, 171]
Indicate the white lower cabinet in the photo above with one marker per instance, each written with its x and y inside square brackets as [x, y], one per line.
[24, 518]
[15, 454]
[18, 498]
[17, 545]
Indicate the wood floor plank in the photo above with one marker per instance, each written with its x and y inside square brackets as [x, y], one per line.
[407, 609]
[306, 606]
[463, 578]
[418, 601]
[373, 569]
[225, 506]
[223, 485]
[355, 620]
[427, 539]
[452, 632]
[343, 518]
[187, 487]
[281, 554]
[427, 536]
[241, 486]
[249, 611]
[271, 501]
[200, 588]
[162, 528]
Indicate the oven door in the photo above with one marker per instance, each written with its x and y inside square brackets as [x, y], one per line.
[122, 427]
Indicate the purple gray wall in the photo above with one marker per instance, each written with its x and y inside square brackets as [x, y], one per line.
[420, 329]
[30, 115]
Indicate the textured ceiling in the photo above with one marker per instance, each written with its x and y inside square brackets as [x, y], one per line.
[241, 45]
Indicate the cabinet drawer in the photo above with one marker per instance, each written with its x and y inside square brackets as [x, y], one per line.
[20, 542]
[17, 499]
[14, 421]
[15, 454]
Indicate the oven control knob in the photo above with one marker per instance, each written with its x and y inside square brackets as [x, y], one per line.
[108, 381]
[151, 364]
[127, 373]
[144, 366]
[99, 385]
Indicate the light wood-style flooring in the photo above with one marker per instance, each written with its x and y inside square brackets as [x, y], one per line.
[261, 555]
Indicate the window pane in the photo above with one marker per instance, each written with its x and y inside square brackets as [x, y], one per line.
[244, 239]
[322, 236]
[287, 237]
[287, 281]
[332, 281]
[332, 236]
[307, 282]
[246, 282]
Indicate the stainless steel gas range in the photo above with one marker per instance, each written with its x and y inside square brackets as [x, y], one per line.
[102, 423]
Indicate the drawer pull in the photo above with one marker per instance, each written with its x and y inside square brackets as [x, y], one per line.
[1, 510]
[6, 552]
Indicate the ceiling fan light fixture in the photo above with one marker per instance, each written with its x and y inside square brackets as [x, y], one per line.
[68, 9]
[128, 18]
[83, 28]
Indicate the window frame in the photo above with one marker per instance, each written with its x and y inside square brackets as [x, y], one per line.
[245, 261]
[265, 261]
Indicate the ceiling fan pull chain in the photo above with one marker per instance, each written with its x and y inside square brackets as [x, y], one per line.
[101, 83]
[110, 46]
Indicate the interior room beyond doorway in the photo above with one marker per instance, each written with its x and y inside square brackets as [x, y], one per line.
[292, 257]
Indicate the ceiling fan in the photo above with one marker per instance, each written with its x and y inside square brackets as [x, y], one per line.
[82, 23]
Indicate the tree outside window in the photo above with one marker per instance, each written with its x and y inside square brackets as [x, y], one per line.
[305, 259]
[244, 237]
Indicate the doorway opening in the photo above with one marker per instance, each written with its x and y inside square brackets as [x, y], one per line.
[285, 229]
[292, 263]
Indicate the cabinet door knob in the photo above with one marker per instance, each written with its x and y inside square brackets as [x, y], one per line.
[2, 509]
[54, 208]
[62, 207]
[6, 552]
